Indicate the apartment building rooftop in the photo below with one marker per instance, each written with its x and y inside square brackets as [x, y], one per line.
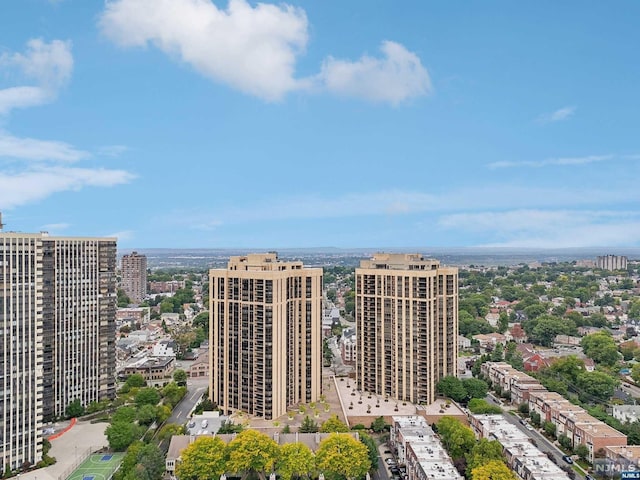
[629, 452]
[523, 456]
[434, 461]
[599, 429]
[400, 261]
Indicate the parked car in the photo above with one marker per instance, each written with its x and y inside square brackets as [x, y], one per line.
[567, 459]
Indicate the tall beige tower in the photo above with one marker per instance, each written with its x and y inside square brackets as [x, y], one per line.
[265, 335]
[406, 325]
[57, 334]
[134, 276]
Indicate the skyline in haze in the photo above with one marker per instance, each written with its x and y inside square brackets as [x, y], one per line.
[233, 124]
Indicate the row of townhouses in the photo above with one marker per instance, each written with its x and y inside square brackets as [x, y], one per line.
[526, 460]
[420, 450]
[569, 419]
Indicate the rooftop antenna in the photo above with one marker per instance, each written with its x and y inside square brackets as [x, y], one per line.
[1, 224]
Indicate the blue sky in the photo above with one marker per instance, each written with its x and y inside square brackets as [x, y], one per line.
[235, 124]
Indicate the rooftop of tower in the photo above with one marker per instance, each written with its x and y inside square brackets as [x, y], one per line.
[262, 262]
[400, 261]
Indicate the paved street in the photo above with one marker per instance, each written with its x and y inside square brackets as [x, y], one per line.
[195, 389]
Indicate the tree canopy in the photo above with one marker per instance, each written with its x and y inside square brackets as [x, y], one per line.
[601, 348]
[252, 452]
[203, 459]
[295, 460]
[493, 470]
[342, 456]
[334, 425]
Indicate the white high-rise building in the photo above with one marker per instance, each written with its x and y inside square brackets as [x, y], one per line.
[57, 334]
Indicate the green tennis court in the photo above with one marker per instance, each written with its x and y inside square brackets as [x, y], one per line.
[99, 466]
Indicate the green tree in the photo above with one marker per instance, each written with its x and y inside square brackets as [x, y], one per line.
[147, 396]
[483, 452]
[122, 299]
[534, 311]
[135, 381]
[74, 409]
[480, 406]
[342, 456]
[597, 384]
[493, 470]
[601, 347]
[229, 427]
[203, 459]
[568, 367]
[497, 355]
[452, 387]
[378, 425]
[372, 448]
[147, 414]
[172, 394]
[503, 322]
[295, 460]
[252, 452]
[547, 327]
[565, 441]
[582, 451]
[469, 325]
[124, 414]
[308, 425]
[549, 428]
[475, 387]
[180, 377]
[170, 429]
[457, 439]
[142, 462]
[163, 412]
[201, 320]
[122, 434]
[333, 424]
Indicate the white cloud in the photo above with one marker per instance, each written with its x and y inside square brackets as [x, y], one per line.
[533, 228]
[393, 203]
[553, 161]
[55, 227]
[112, 150]
[33, 149]
[561, 114]
[22, 97]
[20, 188]
[49, 65]
[122, 235]
[396, 77]
[253, 49]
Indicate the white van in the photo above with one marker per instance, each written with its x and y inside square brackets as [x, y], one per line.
[205, 423]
